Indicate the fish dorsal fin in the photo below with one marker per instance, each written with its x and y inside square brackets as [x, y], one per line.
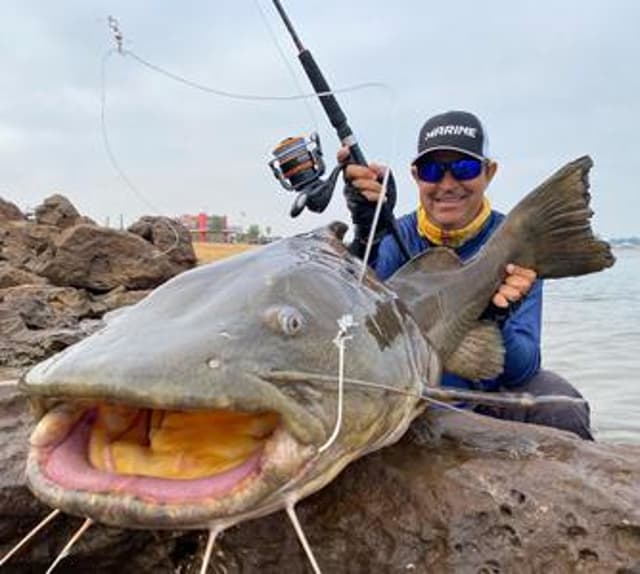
[338, 229]
[335, 230]
[332, 234]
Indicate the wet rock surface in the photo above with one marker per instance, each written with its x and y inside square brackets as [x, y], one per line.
[60, 272]
[459, 493]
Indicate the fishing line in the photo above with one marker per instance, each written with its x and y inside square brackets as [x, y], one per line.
[65, 551]
[249, 97]
[119, 37]
[295, 376]
[287, 62]
[29, 536]
[113, 25]
[345, 323]
[376, 217]
[206, 558]
[291, 511]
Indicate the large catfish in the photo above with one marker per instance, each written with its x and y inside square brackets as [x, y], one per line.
[222, 396]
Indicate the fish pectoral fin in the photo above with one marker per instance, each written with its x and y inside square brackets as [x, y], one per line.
[480, 354]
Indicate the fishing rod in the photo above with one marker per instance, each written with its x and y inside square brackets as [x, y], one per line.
[299, 164]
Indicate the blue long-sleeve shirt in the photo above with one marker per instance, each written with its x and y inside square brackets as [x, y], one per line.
[521, 331]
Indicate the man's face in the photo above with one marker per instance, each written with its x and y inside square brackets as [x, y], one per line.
[450, 203]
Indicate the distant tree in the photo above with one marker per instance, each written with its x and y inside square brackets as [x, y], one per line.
[253, 233]
[215, 223]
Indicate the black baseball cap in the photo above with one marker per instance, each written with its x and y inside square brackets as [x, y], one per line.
[454, 130]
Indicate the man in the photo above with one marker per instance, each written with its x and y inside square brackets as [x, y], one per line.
[452, 172]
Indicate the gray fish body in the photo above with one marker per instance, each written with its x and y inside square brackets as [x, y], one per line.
[257, 333]
[249, 333]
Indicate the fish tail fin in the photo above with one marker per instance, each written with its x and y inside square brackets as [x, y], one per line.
[550, 230]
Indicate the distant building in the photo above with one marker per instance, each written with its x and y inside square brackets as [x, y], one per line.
[210, 228]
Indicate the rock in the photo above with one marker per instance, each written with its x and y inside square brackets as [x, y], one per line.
[39, 320]
[11, 276]
[57, 210]
[25, 245]
[117, 299]
[43, 306]
[10, 211]
[101, 259]
[459, 493]
[94, 270]
[171, 237]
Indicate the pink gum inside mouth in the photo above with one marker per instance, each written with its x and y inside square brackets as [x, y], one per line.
[67, 465]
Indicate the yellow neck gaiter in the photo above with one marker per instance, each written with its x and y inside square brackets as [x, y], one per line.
[453, 237]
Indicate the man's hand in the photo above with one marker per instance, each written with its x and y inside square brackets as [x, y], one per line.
[363, 186]
[515, 286]
[366, 179]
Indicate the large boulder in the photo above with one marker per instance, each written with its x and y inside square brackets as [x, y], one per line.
[25, 244]
[60, 273]
[171, 237]
[38, 320]
[459, 493]
[11, 276]
[101, 259]
[10, 211]
[57, 210]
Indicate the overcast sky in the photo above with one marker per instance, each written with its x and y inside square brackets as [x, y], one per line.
[551, 80]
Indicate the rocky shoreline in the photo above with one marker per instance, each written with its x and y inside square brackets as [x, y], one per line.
[60, 273]
[459, 493]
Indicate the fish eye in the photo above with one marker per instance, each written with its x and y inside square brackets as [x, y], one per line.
[284, 319]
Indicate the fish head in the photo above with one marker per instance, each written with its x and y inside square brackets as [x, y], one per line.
[229, 391]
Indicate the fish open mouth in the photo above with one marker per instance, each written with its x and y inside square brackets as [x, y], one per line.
[119, 463]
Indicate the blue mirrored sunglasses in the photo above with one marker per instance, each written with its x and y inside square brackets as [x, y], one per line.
[460, 169]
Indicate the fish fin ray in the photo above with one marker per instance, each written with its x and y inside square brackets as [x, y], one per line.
[480, 354]
[557, 214]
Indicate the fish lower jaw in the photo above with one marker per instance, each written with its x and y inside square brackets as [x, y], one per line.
[63, 477]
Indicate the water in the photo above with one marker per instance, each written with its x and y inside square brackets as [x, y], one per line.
[591, 336]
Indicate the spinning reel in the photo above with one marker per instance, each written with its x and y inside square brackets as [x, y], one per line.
[298, 166]
[298, 163]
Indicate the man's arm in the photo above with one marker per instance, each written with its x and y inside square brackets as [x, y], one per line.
[521, 334]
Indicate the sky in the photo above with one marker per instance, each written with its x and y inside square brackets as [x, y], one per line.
[551, 81]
